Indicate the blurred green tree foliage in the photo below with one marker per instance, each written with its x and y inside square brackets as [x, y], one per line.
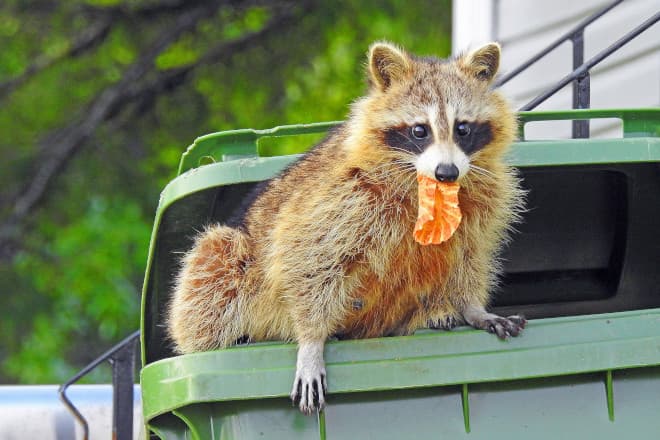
[98, 98]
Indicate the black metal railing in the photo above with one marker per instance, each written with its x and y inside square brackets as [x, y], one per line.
[122, 359]
[582, 71]
[580, 76]
[581, 87]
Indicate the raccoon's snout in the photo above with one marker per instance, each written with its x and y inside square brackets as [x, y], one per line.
[444, 162]
[446, 172]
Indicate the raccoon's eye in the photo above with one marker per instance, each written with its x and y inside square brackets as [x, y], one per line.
[419, 131]
[463, 129]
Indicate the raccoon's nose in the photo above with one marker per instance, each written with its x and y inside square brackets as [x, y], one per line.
[446, 172]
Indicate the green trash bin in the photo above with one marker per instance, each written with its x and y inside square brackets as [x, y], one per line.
[583, 267]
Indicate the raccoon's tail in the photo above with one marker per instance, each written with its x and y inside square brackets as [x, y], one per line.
[205, 310]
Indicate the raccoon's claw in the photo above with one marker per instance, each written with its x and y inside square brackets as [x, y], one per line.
[309, 395]
[478, 317]
[505, 327]
[310, 384]
[446, 323]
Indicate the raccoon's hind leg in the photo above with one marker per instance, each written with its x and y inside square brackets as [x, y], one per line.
[205, 312]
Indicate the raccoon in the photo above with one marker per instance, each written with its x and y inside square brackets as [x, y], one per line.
[326, 248]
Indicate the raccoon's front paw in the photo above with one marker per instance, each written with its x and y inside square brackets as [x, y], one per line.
[479, 318]
[310, 385]
[505, 327]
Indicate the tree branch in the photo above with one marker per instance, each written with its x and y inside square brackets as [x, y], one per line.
[94, 35]
[88, 39]
[171, 78]
[61, 146]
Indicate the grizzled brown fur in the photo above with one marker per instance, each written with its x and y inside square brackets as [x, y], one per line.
[327, 249]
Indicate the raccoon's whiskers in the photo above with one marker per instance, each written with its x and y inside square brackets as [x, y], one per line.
[417, 147]
[405, 152]
[398, 164]
[482, 171]
[402, 168]
[401, 176]
[389, 175]
[398, 173]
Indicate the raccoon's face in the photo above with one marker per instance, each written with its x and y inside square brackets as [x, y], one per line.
[439, 116]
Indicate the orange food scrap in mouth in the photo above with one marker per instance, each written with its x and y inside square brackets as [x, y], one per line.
[439, 214]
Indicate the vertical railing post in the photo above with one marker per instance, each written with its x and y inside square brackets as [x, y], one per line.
[123, 375]
[122, 358]
[581, 86]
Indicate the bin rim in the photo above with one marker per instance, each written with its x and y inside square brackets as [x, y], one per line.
[549, 347]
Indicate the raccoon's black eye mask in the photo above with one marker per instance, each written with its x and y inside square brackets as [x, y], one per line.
[469, 136]
[472, 136]
[409, 138]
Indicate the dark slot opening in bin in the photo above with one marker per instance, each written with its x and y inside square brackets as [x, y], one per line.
[570, 245]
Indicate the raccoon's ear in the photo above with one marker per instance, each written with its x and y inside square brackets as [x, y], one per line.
[387, 64]
[483, 62]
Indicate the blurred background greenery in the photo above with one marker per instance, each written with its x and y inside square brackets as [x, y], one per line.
[98, 99]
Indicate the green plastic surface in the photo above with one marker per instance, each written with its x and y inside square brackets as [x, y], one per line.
[228, 145]
[550, 347]
[558, 379]
[257, 373]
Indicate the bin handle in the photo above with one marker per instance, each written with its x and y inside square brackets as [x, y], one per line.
[643, 122]
[637, 122]
[217, 146]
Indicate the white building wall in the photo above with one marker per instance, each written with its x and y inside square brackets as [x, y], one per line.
[629, 78]
[35, 412]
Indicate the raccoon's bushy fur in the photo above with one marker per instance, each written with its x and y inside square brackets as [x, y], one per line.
[327, 248]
